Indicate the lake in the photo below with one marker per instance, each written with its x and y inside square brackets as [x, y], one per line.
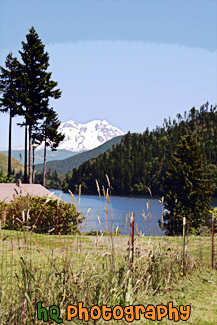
[147, 213]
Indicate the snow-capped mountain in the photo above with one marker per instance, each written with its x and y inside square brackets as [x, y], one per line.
[82, 137]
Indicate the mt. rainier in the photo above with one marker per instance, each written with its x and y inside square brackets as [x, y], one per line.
[81, 137]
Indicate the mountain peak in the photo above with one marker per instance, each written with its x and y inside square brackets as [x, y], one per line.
[86, 136]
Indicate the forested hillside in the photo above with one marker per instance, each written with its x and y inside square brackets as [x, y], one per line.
[66, 165]
[139, 162]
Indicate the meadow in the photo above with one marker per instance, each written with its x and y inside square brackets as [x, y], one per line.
[96, 270]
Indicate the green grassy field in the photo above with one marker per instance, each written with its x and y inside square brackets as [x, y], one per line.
[64, 270]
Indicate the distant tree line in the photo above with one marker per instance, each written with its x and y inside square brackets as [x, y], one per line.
[140, 161]
[53, 180]
[25, 90]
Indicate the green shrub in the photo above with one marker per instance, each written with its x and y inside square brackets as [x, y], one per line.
[42, 215]
[5, 178]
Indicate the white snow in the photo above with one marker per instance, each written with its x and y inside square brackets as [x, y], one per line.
[80, 137]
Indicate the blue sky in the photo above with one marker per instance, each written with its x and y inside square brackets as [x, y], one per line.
[129, 62]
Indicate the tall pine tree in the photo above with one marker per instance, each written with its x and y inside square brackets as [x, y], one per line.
[9, 89]
[38, 87]
[187, 189]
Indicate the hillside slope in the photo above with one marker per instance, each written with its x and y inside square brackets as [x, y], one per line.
[66, 165]
[39, 155]
[16, 165]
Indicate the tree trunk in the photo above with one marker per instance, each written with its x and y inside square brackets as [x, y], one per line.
[30, 154]
[25, 157]
[33, 164]
[44, 169]
[9, 145]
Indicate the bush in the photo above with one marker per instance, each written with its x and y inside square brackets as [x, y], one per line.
[41, 214]
[5, 178]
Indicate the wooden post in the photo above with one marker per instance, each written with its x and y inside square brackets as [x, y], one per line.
[57, 218]
[183, 252]
[25, 155]
[212, 241]
[132, 219]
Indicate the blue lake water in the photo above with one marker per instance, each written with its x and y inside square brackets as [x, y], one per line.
[147, 213]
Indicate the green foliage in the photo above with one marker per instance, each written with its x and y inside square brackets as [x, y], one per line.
[140, 161]
[49, 134]
[53, 180]
[5, 178]
[37, 86]
[187, 188]
[9, 87]
[9, 90]
[214, 212]
[49, 130]
[42, 215]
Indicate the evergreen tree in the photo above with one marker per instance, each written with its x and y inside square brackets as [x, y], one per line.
[50, 135]
[37, 86]
[187, 189]
[9, 99]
